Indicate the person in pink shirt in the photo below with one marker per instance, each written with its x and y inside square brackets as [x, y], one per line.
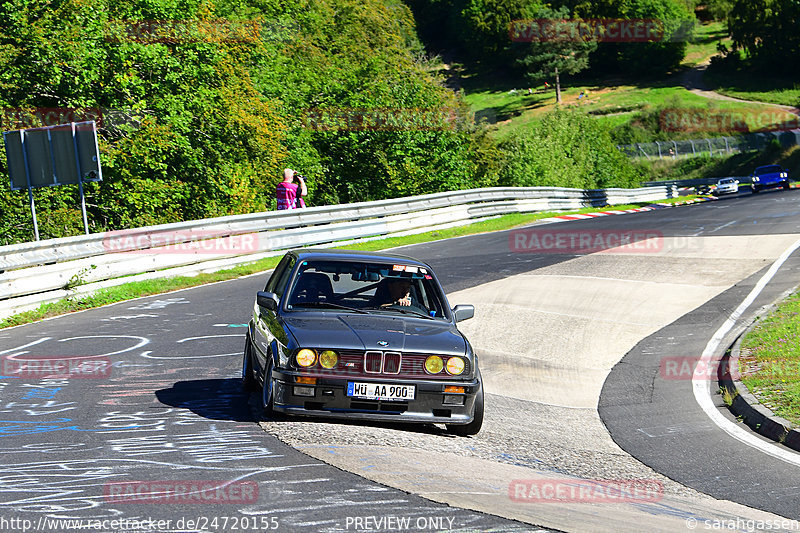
[286, 191]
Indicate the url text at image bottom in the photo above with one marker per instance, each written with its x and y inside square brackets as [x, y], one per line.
[205, 523]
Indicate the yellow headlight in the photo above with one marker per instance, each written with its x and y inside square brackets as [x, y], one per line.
[455, 366]
[306, 357]
[328, 359]
[434, 364]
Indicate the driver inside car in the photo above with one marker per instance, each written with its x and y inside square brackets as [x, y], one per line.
[399, 292]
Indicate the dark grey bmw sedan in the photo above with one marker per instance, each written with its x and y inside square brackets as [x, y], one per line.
[357, 335]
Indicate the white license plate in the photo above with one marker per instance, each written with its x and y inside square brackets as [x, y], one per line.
[380, 391]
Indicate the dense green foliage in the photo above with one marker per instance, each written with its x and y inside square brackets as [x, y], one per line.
[767, 31]
[566, 149]
[203, 104]
[479, 29]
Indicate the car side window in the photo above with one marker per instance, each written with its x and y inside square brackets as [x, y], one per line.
[429, 297]
[277, 283]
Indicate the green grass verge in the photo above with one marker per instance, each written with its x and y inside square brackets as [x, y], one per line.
[610, 101]
[704, 44]
[138, 289]
[757, 87]
[770, 360]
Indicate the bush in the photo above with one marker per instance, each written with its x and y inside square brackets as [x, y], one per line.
[566, 149]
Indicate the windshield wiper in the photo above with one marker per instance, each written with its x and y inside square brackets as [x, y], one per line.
[329, 305]
[402, 310]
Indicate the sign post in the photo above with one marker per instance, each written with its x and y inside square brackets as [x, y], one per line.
[80, 179]
[30, 189]
[65, 154]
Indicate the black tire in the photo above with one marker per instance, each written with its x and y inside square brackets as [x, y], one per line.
[755, 189]
[267, 399]
[786, 185]
[248, 376]
[465, 430]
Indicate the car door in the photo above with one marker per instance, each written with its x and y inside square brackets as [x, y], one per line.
[269, 337]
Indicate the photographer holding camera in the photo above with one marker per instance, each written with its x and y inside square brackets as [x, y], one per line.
[287, 192]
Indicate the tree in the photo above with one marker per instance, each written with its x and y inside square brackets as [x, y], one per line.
[657, 57]
[719, 9]
[552, 53]
[767, 31]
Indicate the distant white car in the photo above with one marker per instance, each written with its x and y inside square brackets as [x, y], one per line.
[727, 186]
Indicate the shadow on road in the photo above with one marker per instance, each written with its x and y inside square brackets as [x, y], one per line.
[215, 399]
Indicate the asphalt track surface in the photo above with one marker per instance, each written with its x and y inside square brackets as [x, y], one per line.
[170, 415]
[170, 409]
[652, 413]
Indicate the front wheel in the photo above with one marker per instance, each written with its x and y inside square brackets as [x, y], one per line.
[465, 430]
[267, 400]
[755, 189]
[786, 185]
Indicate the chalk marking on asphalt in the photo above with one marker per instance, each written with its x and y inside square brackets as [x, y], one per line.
[702, 386]
[723, 226]
[39, 341]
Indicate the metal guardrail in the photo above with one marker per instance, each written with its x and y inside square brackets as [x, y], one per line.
[743, 180]
[43, 271]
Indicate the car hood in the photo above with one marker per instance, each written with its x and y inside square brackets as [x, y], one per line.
[376, 332]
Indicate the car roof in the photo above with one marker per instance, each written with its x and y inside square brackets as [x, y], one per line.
[328, 254]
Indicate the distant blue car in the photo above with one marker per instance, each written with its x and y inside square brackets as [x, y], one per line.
[769, 177]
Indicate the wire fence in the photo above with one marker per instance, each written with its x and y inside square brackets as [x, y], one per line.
[711, 146]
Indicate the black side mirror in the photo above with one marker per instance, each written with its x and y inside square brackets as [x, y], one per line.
[463, 312]
[267, 300]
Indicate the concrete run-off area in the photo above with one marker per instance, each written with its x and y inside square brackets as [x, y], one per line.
[547, 339]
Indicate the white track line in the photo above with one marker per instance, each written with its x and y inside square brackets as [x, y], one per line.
[702, 385]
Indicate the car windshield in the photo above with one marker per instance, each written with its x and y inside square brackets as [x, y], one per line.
[726, 180]
[366, 287]
[769, 169]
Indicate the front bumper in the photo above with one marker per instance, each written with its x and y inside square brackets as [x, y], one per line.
[330, 400]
